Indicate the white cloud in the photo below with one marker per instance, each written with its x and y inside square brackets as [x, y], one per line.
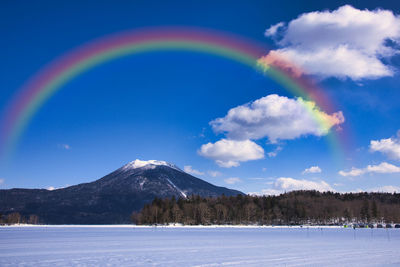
[384, 167]
[312, 169]
[214, 173]
[229, 153]
[276, 117]
[290, 184]
[190, 170]
[386, 189]
[382, 189]
[271, 31]
[389, 146]
[273, 153]
[286, 184]
[267, 192]
[257, 178]
[346, 42]
[1, 181]
[232, 180]
[352, 172]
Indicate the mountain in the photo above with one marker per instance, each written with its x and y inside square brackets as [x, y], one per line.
[111, 199]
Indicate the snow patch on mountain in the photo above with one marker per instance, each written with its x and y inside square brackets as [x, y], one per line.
[177, 188]
[142, 183]
[149, 164]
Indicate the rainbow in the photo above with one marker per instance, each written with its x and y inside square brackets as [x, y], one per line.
[52, 77]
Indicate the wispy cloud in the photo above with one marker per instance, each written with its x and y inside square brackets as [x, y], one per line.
[190, 170]
[274, 153]
[257, 178]
[273, 30]
[214, 173]
[64, 146]
[232, 180]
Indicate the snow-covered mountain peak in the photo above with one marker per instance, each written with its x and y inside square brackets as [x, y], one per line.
[150, 164]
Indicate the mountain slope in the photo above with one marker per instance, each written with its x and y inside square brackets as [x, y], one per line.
[110, 199]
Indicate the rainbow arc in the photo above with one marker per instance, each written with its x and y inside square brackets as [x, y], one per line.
[52, 77]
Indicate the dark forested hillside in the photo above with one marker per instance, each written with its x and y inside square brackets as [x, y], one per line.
[298, 207]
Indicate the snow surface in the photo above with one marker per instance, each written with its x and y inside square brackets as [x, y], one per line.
[197, 246]
[148, 163]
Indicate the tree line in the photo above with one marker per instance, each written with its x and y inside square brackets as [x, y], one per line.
[293, 208]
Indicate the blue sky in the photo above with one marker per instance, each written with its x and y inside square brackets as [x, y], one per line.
[160, 105]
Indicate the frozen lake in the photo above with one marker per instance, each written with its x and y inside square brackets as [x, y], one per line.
[128, 246]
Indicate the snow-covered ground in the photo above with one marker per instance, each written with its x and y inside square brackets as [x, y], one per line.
[197, 246]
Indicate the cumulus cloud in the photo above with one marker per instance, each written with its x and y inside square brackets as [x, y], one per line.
[229, 153]
[384, 167]
[1, 181]
[346, 42]
[276, 117]
[232, 180]
[190, 170]
[389, 146]
[312, 169]
[214, 173]
[286, 184]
